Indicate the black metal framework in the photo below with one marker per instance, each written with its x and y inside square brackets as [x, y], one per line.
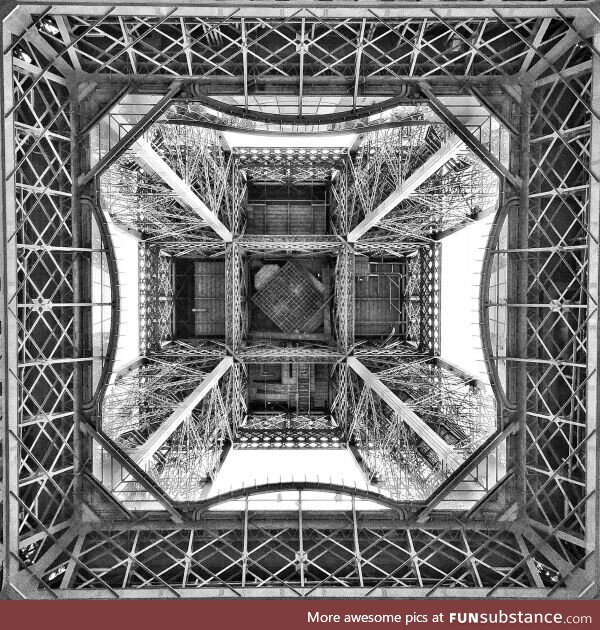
[64, 536]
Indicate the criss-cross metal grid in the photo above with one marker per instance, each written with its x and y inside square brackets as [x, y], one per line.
[289, 298]
[552, 47]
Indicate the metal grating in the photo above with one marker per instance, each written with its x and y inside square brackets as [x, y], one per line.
[289, 298]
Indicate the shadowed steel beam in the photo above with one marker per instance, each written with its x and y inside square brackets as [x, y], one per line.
[154, 162]
[448, 150]
[117, 459]
[444, 450]
[134, 134]
[145, 452]
[28, 579]
[592, 530]
[254, 592]
[462, 131]
[548, 60]
[493, 110]
[9, 339]
[274, 9]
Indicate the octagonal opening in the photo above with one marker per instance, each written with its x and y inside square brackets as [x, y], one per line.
[318, 324]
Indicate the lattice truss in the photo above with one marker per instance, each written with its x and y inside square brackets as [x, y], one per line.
[551, 362]
[138, 403]
[156, 292]
[236, 316]
[558, 363]
[292, 244]
[386, 558]
[422, 298]
[288, 431]
[137, 197]
[344, 298]
[289, 165]
[454, 195]
[395, 457]
[385, 157]
[196, 155]
[459, 191]
[390, 450]
[464, 414]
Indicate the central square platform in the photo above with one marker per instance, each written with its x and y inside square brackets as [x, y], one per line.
[290, 298]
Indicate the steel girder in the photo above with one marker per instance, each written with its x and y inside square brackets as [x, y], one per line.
[551, 253]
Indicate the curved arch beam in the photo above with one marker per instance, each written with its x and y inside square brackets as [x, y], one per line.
[113, 274]
[344, 131]
[484, 320]
[240, 493]
[315, 119]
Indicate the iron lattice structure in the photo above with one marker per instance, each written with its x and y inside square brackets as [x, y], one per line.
[535, 67]
[288, 165]
[286, 431]
[155, 298]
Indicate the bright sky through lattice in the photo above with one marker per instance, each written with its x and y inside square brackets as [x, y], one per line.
[247, 467]
[462, 255]
[235, 139]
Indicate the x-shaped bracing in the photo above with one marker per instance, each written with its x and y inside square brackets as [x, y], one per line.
[152, 161]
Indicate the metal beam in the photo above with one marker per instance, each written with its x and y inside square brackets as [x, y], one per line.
[154, 162]
[592, 530]
[469, 378]
[321, 592]
[131, 136]
[444, 450]
[149, 159]
[9, 331]
[137, 475]
[274, 9]
[448, 150]
[462, 131]
[29, 578]
[144, 453]
[547, 61]
[130, 366]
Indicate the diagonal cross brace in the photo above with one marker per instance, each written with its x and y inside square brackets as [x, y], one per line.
[462, 131]
[186, 195]
[144, 453]
[135, 133]
[149, 158]
[447, 151]
[445, 451]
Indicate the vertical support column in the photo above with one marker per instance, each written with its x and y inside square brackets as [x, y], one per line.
[233, 296]
[429, 305]
[245, 549]
[301, 552]
[592, 529]
[344, 285]
[519, 239]
[357, 556]
[8, 322]
[78, 320]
